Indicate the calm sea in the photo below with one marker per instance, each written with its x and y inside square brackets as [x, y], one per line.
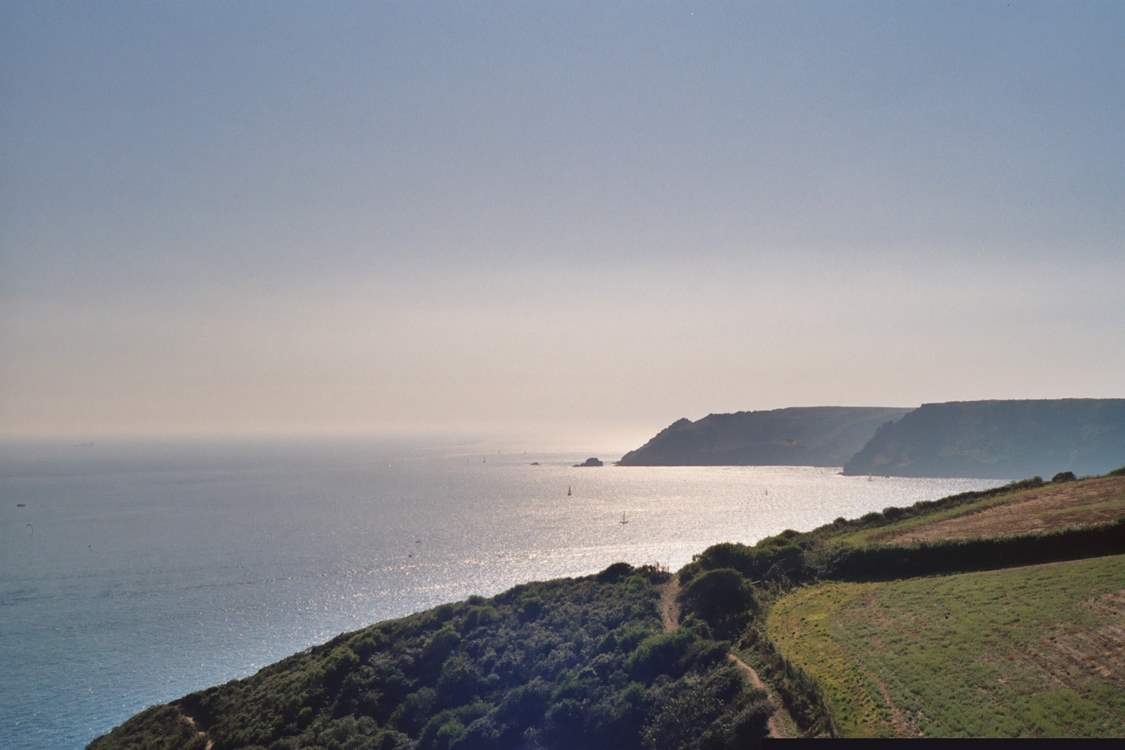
[134, 574]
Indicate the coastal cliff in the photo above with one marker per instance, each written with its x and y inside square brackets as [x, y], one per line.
[998, 439]
[797, 436]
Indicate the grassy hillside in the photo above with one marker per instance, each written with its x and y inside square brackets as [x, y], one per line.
[1047, 507]
[999, 439]
[812, 436]
[838, 672]
[570, 663]
[1028, 651]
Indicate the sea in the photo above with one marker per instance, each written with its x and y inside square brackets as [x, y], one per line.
[134, 572]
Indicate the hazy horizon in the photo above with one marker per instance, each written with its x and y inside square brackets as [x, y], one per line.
[579, 220]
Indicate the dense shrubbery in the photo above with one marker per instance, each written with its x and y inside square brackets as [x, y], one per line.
[958, 555]
[723, 599]
[563, 664]
[773, 558]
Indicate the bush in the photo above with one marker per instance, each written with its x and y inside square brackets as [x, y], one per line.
[778, 557]
[663, 653]
[884, 562]
[722, 598]
[616, 572]
[1064, 476]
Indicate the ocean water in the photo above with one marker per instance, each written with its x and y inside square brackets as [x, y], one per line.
[136, 573]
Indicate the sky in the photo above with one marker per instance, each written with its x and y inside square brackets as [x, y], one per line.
[278, 217]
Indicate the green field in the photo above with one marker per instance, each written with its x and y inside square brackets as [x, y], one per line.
[1030, 651]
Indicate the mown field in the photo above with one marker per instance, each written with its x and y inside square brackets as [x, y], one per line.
[1029, 651]
[1048, 507]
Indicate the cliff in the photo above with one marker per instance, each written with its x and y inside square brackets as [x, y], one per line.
[797, 436]
[998, 439]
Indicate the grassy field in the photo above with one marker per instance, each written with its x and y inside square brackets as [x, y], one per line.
[1050, 507]
[1030, 651]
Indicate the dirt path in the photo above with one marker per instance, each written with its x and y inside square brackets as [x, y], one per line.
[191, 723]
[669, 607]
[781, 724]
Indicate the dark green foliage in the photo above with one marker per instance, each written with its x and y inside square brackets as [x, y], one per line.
[1064, 476]
[773, 558]
[883, 561]
[157, 728]
[563, 664]
[662, 653]
[692, 714]
[1117, 472]
[722, 598]
[615, 573]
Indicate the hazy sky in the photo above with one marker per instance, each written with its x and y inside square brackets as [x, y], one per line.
[297, 216]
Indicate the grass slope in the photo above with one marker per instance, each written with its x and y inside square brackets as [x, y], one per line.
[1044, 508]
[1030, 651]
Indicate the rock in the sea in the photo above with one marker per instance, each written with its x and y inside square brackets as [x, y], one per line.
[591, 462]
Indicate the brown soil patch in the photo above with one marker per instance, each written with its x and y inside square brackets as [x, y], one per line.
[1081, 503]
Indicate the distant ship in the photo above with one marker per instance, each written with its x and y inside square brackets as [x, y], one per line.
[568, 492]
[623, 520]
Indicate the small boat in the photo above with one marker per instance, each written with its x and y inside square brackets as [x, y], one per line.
[568, 492]
[21, 505]
[623, 520]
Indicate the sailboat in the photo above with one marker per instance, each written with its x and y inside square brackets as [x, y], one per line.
[568, 492]
[623, 520]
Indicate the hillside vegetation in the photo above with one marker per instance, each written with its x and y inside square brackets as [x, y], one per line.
[569, 663]
[998, 439]
[813, 436]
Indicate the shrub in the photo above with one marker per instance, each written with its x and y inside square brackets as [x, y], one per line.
[722, 598]
[616, 572]
[663, 653]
